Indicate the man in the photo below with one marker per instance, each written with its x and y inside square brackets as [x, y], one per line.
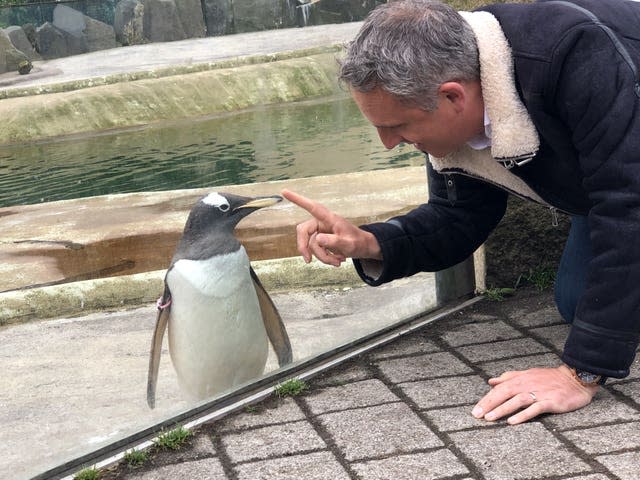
[541, 100]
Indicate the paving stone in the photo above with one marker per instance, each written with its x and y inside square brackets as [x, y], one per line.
[595, 476]
[626, 466]
[493, 369]
[281, 411]
[470, 333]
[205, 469]
[604, 408]
[456, 418]
[375, 431]
[505, 453]
[409, 345]
[199, 447]
[425, 466]
[445, 392]
[359, 394]
[634, 373]
[295, 467]
[606, 439]
[631, 390]
[504, 349]
[555, 335]
[348, 374]
[538, 318]
[272, 441]
[421, 367]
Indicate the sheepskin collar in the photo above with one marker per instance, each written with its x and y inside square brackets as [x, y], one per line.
[513, 135]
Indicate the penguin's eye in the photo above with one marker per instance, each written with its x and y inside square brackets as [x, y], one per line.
[224, 207]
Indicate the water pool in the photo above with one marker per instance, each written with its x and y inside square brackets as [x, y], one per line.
[296, 140]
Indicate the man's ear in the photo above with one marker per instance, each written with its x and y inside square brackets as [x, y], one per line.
[454, 93]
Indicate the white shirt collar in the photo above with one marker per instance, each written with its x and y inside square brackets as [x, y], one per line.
[483, 140]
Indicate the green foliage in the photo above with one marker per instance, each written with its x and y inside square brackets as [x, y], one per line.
[173, 439]
[542, 277]
[88, 474]
[135, 458]
[291, 388]
[498, 294]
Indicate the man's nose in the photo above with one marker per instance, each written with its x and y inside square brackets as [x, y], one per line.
[389, 138]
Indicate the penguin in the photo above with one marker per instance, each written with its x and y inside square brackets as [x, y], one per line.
[219, 316]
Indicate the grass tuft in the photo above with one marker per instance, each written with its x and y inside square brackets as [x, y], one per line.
[88, 474]
[291, 388]
[498, 294]
[173, 439]
[541, 278]
[136, 458]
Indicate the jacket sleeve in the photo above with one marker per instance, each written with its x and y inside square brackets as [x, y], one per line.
[596, 92]
[459, 216]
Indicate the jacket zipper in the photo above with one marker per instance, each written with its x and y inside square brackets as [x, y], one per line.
[554, 210]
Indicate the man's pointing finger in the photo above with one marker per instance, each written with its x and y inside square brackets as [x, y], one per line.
[319, 211]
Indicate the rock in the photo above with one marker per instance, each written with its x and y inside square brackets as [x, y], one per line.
[30, 32]
[340, 11]
[162, 21]
[192, 18]
[99, 35]
[128, 22]
[218, 15]
[10, 56]
[255, 15]
[55, 43]
[69, 20]
[90, 33]
[20, 40]
[24, 67]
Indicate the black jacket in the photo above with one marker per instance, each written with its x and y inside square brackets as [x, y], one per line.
[577, 73]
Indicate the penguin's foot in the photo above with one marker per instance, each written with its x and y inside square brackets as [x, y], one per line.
[162, 306]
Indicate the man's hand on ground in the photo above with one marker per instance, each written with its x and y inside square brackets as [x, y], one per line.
[526, 394]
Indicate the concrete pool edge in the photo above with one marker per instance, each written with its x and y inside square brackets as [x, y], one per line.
[129, 291]
[142, 102]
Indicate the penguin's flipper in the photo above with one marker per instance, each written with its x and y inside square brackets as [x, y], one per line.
[273, 323]
[164, 307]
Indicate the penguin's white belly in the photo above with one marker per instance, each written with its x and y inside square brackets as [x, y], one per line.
[217, 337]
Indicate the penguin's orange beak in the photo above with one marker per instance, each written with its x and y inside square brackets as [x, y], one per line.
[261, 202]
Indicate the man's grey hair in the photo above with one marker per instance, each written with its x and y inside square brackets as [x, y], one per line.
[409, 48]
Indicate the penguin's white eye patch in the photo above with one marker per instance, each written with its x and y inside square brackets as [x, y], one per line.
[216, 200]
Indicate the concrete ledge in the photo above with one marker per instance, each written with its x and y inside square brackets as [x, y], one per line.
[79, 84]
[67, 258]
[170, 97]
[97, 237]
[79, 298]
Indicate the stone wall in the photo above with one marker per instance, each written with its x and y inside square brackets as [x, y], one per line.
[71, 32]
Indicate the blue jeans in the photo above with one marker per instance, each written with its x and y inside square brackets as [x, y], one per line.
[571, 278]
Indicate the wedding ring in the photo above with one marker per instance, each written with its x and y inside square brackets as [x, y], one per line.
[533, 396]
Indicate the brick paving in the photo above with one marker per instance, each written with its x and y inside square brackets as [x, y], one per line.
[402, 411]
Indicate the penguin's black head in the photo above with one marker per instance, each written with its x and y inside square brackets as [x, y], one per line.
[214, 217]
[227, 208]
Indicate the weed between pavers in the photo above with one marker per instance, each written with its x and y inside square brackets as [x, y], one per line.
[291, 388]
[542, 278]
[136, 458]
[173, 439]
[498, 294]
[88, 474]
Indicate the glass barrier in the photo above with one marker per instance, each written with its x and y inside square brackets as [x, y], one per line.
[89, 222]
